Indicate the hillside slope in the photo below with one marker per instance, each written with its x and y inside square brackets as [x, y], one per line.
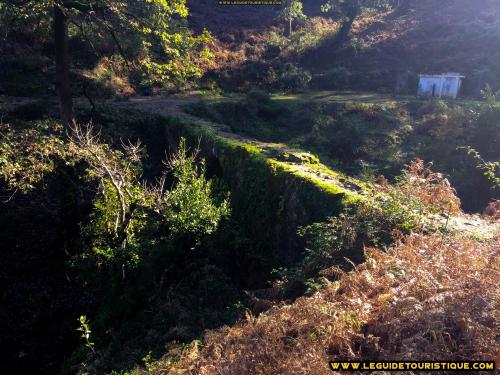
[226, 19]
[424, 36]
[457, 35]
[368, 313]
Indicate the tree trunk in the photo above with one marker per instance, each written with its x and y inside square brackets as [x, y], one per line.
[290, 27]
[62, 66]
[346, 27]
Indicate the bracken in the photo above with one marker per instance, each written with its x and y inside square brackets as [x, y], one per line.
[427, 298]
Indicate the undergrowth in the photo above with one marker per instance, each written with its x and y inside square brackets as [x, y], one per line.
[367, 139]
[426, 298]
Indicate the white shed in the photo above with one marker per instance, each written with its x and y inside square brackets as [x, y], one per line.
[440, 85]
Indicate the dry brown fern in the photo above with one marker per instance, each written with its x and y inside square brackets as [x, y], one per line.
[425, 299]
[431, 188]
[492, 211]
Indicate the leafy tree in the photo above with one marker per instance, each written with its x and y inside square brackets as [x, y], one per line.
[127, 205]
[188, 207]
[119, 209]
[27, 155]
[489, 95]
[126, 208]
[291, 12]
[347, 11]
[161, 44]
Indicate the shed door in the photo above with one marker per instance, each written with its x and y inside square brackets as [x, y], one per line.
[449, 87]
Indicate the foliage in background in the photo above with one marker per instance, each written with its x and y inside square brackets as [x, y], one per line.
[348, 11]
[293, 78]
[256, 115]
[337, 78]
[309, 35]
[291, 12]
[489, 95]
[28, 153]
[489, 168]
[443, 128]
[185, 57]
[152, 37]
[366, 140]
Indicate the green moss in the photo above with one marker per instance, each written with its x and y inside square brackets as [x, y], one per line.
[286, 168]
[253, 150]
[270, 198]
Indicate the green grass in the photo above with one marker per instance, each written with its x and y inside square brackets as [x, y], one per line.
[326, 96]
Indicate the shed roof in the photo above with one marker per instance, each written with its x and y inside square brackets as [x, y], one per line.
[450, 74]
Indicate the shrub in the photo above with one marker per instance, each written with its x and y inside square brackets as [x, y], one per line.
[188, 206]
[258, 97]
[432, 189]
[443, 121]
[395, 210]
[492, 211]
[432, 106]
[337, 78]
[490, 169]
[331, 243]
[109, 77]
[293, 78]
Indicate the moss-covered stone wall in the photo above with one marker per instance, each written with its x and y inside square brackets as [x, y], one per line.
[270, 199]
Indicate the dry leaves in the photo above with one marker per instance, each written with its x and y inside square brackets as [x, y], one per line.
[426, 298]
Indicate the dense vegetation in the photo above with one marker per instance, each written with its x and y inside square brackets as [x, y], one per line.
[178, 196]
[366, 140]
[412, 301]
[118, 231]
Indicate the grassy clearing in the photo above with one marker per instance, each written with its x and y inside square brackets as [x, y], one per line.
[326, 96]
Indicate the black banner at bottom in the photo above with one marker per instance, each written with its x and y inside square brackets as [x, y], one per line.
[412, 365]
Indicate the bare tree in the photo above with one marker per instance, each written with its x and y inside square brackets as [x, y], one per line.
[122, 175]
